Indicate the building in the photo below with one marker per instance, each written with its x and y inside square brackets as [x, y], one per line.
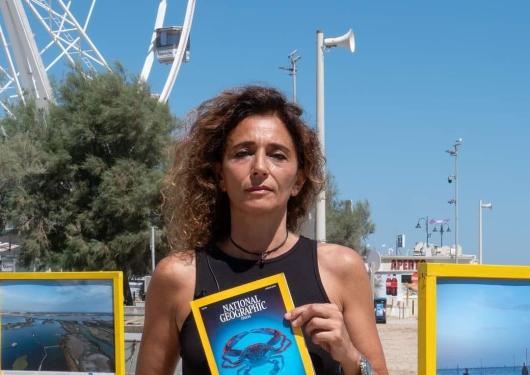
[396, 278]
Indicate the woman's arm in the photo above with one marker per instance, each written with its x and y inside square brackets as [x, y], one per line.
[167, 305]
[346, 326]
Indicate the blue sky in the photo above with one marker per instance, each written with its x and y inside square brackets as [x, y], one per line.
[56, 296]
[423, 75]
[484, 322]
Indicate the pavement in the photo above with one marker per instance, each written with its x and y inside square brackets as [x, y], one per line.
[399, 338]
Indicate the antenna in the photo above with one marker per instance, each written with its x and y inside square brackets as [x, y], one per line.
[293, 59]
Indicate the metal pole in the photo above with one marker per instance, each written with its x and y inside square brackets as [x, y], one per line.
[426, 231]
[293, 59]
[456, 204]
[480, 232]
[294, 80]
[321, 200]
[153, 248]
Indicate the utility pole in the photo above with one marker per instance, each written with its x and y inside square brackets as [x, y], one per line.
[152, 246]
[453, 151]
[346, 41]
[293, 59]
[481, 205]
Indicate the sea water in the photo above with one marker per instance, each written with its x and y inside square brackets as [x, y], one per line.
[506, 370]
[45, 331]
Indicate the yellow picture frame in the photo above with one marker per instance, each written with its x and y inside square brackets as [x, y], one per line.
[429, 274]
[116, 280]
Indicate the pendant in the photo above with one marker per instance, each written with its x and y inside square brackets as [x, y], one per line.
[262, 258]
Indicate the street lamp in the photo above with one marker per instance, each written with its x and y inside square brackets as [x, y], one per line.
[480, 207]
[346, 41]
[453, 151]
[441, 226]
[418, 226]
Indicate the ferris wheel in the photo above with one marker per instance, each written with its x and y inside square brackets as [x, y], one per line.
[38, 35]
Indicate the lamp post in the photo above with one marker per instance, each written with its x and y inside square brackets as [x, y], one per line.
[346, 41]
[480, 207]
[418, 226]
[453, 151]
[442, 226]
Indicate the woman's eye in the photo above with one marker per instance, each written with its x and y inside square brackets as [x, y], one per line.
[279, 156]
[242, 153]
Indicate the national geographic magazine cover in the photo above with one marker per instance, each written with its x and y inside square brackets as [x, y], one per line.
[243, 331]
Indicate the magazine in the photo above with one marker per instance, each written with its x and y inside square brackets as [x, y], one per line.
[243, 330]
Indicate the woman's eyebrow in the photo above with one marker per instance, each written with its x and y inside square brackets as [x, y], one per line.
[272, 145]
[280, 146]
[242, 144]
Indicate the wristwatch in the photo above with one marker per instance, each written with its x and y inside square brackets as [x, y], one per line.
[366, 367]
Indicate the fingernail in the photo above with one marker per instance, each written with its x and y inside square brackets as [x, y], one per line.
[287, 315]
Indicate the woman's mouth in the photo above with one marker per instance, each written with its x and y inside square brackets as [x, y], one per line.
[258, 188]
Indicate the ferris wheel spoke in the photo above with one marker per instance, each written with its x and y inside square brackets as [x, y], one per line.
[84, 34]
[89, 15]
[14, 75]
[159, 22]
[179, 55]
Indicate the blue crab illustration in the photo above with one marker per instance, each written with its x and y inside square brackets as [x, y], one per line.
[256, 354]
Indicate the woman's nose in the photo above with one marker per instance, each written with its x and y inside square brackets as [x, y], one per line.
[259, 166]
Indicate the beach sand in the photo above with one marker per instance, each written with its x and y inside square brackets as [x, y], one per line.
[400, 344]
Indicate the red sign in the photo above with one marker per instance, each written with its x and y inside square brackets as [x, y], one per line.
[405, 264]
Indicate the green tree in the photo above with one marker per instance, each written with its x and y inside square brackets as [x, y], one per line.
[20, 155]
[347, 223]
[84, 179]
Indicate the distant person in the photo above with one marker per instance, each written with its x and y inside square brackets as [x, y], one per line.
[524, 371]
[466, 372]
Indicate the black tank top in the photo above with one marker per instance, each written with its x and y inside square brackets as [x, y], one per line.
[216, 271]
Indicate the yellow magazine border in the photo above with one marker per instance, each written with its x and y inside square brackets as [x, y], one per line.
[117, 294]
[429, 273]
[278, 279]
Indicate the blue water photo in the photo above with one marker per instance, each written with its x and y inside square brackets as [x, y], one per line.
[482, 326]
[505, 370]
[56, 326]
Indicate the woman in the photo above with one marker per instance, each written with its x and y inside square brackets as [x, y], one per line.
[243, 178]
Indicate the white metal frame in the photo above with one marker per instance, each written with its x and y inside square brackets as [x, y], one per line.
[181, 49]
[27, 71]
[28, 66]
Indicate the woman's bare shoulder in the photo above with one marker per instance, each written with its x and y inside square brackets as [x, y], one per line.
[176, 270]
[339, 259]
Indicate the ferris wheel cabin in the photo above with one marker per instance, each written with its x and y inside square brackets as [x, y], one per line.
[167, 42]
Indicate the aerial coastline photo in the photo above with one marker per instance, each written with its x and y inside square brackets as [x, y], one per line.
[482, 326]
[57, 325]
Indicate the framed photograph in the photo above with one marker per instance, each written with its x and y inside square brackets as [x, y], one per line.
[243, 330]
[61, 323]
[473, 319]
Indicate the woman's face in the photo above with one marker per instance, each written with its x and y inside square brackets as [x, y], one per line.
[259, 171]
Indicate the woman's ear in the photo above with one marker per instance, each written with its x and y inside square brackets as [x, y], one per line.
[299, 183]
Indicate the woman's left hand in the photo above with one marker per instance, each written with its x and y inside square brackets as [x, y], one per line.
[324, 324]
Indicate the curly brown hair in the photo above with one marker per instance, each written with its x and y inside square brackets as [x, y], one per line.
[196, 210]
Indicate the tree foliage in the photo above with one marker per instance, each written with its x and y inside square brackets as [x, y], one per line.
[347, 223]
[82, 181]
